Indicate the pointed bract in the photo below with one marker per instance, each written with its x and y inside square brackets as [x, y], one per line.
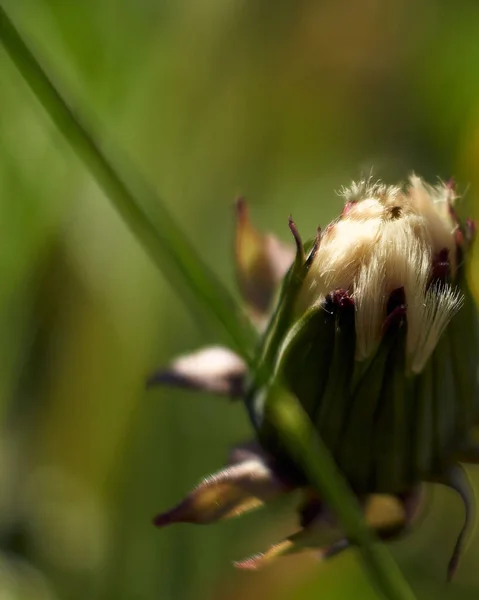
[240, 487]
[459, 479]
[214, 369]
[387, 515]
[261, 263]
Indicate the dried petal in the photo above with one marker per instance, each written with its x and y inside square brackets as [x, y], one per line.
[320, 536]
[387, 515]
[230, 492]
[213, 369]
[261, 260]
[257, 561]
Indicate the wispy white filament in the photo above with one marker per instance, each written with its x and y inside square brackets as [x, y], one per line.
[387, 239]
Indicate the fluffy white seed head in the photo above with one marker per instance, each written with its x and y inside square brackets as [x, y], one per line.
[388, 238]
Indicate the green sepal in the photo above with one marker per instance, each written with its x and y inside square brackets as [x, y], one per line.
[305, 355]
[282, 317]
[334, 404]
[422, 422]
[303, 361]
[309, 451]
[391, 422]
[356, 452]
[465, 361]
[446, 404]
[278, 327]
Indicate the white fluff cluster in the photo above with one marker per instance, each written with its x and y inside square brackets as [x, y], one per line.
[386, 239]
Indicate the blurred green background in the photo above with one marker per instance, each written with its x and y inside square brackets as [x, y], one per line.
[283, 102]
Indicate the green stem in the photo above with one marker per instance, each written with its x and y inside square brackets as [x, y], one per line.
[306, 446]
[138, 204]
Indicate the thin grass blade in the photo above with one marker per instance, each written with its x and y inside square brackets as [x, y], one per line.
[139, 205]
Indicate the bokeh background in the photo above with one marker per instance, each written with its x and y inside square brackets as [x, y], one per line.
[282, 101]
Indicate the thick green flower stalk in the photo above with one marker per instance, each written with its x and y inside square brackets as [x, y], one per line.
[376, 333]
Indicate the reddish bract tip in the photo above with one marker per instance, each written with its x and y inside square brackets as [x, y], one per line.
[395, 319]
[453, 214]
[342, 299]
[441, 266]
[459, 239]
[471, 228]
[450, 186]
[339, 302]
[397, 298]
[451, 183]
[329, 227]
[315, 248]
[347, 208]
[395, 309]
[241, 207]
[295, 232]
[178, 514]
[162, 520]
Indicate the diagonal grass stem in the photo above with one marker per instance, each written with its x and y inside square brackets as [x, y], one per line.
[139, 205]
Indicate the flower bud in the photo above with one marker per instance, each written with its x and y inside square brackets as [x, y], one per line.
[376, 333]
[372, 344]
